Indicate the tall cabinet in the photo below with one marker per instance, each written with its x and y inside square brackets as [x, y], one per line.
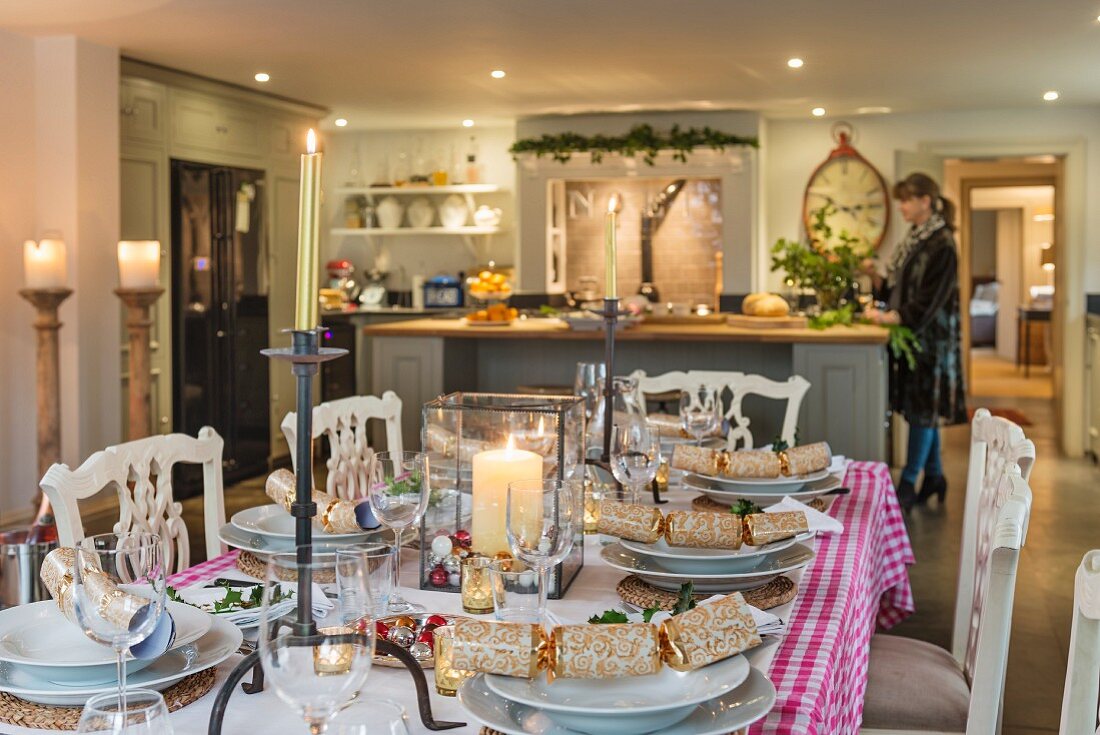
[166, 116]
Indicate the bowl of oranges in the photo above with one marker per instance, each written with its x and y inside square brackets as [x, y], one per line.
[490, 292]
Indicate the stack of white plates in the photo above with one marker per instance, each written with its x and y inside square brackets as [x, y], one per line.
[47, 659]
[730, 490]
[667, 568]
[269, 529]
[719, 698]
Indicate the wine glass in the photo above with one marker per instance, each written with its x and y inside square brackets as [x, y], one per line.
[118, 591]
[543, 518]
[398, 492]
[371, 717]
[379, 562]
[635, 455]
[316, 674]
[145, 714]
[588, 384]
[700, 412]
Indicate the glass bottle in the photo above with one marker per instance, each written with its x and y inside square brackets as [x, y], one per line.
[473, 168]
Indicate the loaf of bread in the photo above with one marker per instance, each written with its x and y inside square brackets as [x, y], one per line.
[765, 304]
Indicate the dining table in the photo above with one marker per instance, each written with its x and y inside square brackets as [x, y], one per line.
[857, 583]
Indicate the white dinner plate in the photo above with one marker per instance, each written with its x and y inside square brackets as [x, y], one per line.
[772, 485]
[272, 521]
[220, 642]
[687, 560]
[652, 571]
[37, 636]
[265, 546]
[721, 493]
[728, 713]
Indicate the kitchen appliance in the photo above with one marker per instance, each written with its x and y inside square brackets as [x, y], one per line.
[652, 218]
[341, 277]
[220, 317]
[374, 293]
[443, 292]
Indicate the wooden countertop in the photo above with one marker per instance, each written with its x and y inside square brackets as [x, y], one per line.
[554, 329]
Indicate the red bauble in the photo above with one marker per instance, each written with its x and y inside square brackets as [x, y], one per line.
[462, 538]
[435, 620]
[425, 636]
[438, 577]
[382, 631]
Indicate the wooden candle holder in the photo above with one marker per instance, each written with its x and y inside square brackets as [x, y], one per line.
[138, 323]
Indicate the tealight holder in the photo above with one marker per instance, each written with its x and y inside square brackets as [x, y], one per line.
[331, 658]
[593, 494]
[477, 592]
[447, 677]
[477, 443]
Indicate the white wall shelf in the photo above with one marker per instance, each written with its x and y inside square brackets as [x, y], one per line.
[368, 231]
[418, 190]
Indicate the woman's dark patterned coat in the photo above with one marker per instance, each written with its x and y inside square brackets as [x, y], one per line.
[926, 295]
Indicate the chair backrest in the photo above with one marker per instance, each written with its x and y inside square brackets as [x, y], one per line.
[1002, 529]
[996, 444]
[739, 385]
[345, 423]
[1079, 701]
[140, 472]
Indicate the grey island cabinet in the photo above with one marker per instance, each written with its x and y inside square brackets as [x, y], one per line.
[846, 366]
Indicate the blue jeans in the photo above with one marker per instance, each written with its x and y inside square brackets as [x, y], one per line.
[924, 453]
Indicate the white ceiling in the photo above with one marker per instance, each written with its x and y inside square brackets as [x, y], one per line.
[426, 63]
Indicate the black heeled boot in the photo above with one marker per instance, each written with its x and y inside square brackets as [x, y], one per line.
[932, 485]
[907, 495]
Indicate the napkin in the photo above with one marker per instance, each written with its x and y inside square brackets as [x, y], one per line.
[205, 597]
[818, 521]
[839, 465]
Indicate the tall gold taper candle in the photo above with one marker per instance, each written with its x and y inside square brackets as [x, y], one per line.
[614, 206]
[309, 221]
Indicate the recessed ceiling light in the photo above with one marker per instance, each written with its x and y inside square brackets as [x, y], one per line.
[263, 77]
[795, 63]
[497, 74]
[467, 123]
[340, 122]
[1050, 96]
[873, 110]
[818, 112]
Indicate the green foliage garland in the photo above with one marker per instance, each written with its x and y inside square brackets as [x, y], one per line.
[641, 139]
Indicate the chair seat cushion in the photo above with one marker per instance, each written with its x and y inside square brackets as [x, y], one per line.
[914, 685]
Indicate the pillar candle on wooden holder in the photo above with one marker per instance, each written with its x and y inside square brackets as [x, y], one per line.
[492, 471]
[138, 263]
[44, 264]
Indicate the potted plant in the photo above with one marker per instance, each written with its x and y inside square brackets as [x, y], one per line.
[830, 270]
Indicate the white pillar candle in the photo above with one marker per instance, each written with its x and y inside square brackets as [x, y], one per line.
[44, 264]
[492, 471]
[138, 263]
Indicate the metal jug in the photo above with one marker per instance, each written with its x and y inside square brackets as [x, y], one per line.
[19, 565]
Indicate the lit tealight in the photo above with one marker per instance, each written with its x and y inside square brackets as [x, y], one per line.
[263, 77]
[795, 63]
[818, 112]
[1050, 96]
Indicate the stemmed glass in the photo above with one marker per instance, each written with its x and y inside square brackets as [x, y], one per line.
[318, 674]
[700, 412]
[635, 455]
[118, 597]
[398, 490]
[145, 714]
[543, 518]
[588, 384]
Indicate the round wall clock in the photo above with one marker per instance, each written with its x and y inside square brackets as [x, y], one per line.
[853, 189]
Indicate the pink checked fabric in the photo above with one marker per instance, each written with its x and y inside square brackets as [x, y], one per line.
[209, 569]
[858, 579]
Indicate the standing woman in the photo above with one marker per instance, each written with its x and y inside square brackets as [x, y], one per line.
[921, 291]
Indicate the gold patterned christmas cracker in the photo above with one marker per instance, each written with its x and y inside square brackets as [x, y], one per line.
[116, 606]
[511, 649]
[806, 459]
[764, 528]
[703, 530]
[699, 460]
[605, 651]
[669, 425]
[762, 463]
[632, 522]
[708, 633]
[335, 515]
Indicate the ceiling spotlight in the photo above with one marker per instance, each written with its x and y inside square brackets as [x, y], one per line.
[467, 123]
[1050, 96]
[795, 63]
[818, 112]
[263, 77]
[873, 110]
[340, 122]
[497, 74]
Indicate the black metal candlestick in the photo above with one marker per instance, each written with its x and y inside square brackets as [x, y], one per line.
[305, 356]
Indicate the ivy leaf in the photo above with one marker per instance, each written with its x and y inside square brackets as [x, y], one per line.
[608, 617]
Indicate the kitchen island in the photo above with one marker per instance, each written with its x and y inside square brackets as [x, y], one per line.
[846, 366]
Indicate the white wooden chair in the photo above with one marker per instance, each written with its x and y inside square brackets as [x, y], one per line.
[739, 385]
[345, 423]
[140, 472]
[914, 686]
[995, 445]
[1079, 700]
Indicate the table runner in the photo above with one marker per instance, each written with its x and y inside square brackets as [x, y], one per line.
[819, 670]
[858, 578]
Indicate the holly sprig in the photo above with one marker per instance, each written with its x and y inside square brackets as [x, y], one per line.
[235, 599]
[745, 507]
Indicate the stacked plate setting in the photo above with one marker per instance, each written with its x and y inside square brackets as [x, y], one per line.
[48, 660]
[719, 698]
[269, 529]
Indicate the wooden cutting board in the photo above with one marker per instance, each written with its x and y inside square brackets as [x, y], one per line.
[745, 321]
[684, 319]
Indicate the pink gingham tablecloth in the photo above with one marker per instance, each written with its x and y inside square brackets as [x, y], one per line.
[858, 579]
[204, 571]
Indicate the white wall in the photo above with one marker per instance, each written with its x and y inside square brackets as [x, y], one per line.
[423, 255]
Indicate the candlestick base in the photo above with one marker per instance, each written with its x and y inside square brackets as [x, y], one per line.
[138, 323]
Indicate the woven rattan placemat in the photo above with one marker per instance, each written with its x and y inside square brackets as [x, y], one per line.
[634, 590]
[704, 503]
[16, 711]
[254, 566]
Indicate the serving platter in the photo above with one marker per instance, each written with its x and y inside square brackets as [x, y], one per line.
[722, 493]
[772, 485]
[687, 560]
[728, 713]
[652, 571]
[272, 521]
[219, 643]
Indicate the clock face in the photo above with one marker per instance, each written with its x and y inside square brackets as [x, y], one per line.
[857, 194]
